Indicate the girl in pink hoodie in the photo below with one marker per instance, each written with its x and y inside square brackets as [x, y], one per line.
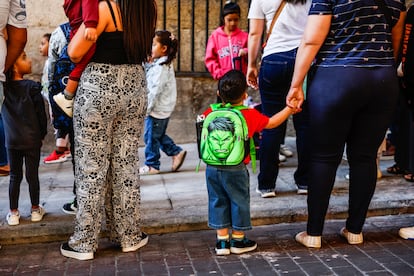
[227, 45]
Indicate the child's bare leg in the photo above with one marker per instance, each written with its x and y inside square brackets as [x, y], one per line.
[65, 100]
[70, 89]
[223, 243]
[238, 235]
[240, 244]
[223, 234]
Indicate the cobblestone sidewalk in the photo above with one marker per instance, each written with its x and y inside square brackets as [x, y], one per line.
[192, 253]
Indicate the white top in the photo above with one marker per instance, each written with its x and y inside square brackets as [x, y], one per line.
[12, 12]
[288, 29]
[162, 88]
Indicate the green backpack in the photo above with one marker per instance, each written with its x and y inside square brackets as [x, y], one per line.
[223, 137]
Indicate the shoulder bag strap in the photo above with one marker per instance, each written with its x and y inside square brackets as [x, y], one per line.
[277, 13]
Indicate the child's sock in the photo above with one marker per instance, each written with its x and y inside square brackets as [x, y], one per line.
[225, 237]
[68, 95]
[238, 237]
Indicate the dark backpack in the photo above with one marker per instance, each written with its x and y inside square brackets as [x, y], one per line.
[62, 69]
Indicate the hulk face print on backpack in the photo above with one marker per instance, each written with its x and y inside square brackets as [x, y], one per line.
[224, 136]
[221, 137]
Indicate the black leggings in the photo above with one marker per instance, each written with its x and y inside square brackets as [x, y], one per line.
[351, 106]
[31, 160]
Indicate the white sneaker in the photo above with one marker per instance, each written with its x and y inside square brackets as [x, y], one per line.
[302, 190]
[64, 104]
[407, 233]
[13, 218]
[37, 214]
[148, 170]
[266, 193]
[286, 151]
[282, 158]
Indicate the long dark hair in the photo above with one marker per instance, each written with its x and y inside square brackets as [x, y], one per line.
[167, 39]
[139, 18]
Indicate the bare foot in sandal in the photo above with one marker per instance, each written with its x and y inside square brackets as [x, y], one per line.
[409, 177]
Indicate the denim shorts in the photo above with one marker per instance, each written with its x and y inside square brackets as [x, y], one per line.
[228, 197]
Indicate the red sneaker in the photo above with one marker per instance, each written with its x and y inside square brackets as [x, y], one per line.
[55, 157]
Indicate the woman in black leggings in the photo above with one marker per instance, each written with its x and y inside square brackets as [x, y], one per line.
[352, 93]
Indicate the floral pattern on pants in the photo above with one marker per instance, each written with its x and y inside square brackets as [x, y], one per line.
[109, 110]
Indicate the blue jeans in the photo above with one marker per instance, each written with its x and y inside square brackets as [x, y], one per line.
[228, 197]
[1, 95]
[275, 76]
[155, 138]
[351, 106]
[3, 152]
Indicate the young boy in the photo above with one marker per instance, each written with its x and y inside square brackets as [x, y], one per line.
[57, 43]
[228, 186]
[78, 12]
[25, 124]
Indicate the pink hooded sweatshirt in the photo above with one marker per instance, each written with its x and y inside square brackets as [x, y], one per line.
[221, 49]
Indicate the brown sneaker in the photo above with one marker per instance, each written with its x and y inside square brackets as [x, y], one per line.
[178, 160]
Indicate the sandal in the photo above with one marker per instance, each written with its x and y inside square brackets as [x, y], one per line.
[394, 169]
[409, 177]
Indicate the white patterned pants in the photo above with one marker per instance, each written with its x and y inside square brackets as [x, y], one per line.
[109, 109]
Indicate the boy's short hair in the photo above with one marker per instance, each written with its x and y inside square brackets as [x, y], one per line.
[232, 86]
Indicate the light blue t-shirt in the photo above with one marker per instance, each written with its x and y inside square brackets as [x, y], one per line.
[359, 35]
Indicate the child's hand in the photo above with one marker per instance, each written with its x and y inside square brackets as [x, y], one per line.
[294, 106]
[90, 34]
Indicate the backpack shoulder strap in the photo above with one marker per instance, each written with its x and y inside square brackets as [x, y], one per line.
[65, 27]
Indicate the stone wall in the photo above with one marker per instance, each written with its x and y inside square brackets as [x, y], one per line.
[194, 93]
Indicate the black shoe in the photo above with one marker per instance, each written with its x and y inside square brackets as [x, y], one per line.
[69, 252]
[222, 247]
[70, 208]
[242, 246]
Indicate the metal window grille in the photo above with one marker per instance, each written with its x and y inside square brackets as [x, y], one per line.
[192, 22]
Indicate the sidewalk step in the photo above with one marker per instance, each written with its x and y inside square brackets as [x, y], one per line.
[175, 202]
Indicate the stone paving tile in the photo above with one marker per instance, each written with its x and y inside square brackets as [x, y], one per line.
[192, 253]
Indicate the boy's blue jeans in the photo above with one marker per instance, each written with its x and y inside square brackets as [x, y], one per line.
[228, 197]
[155, 138]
